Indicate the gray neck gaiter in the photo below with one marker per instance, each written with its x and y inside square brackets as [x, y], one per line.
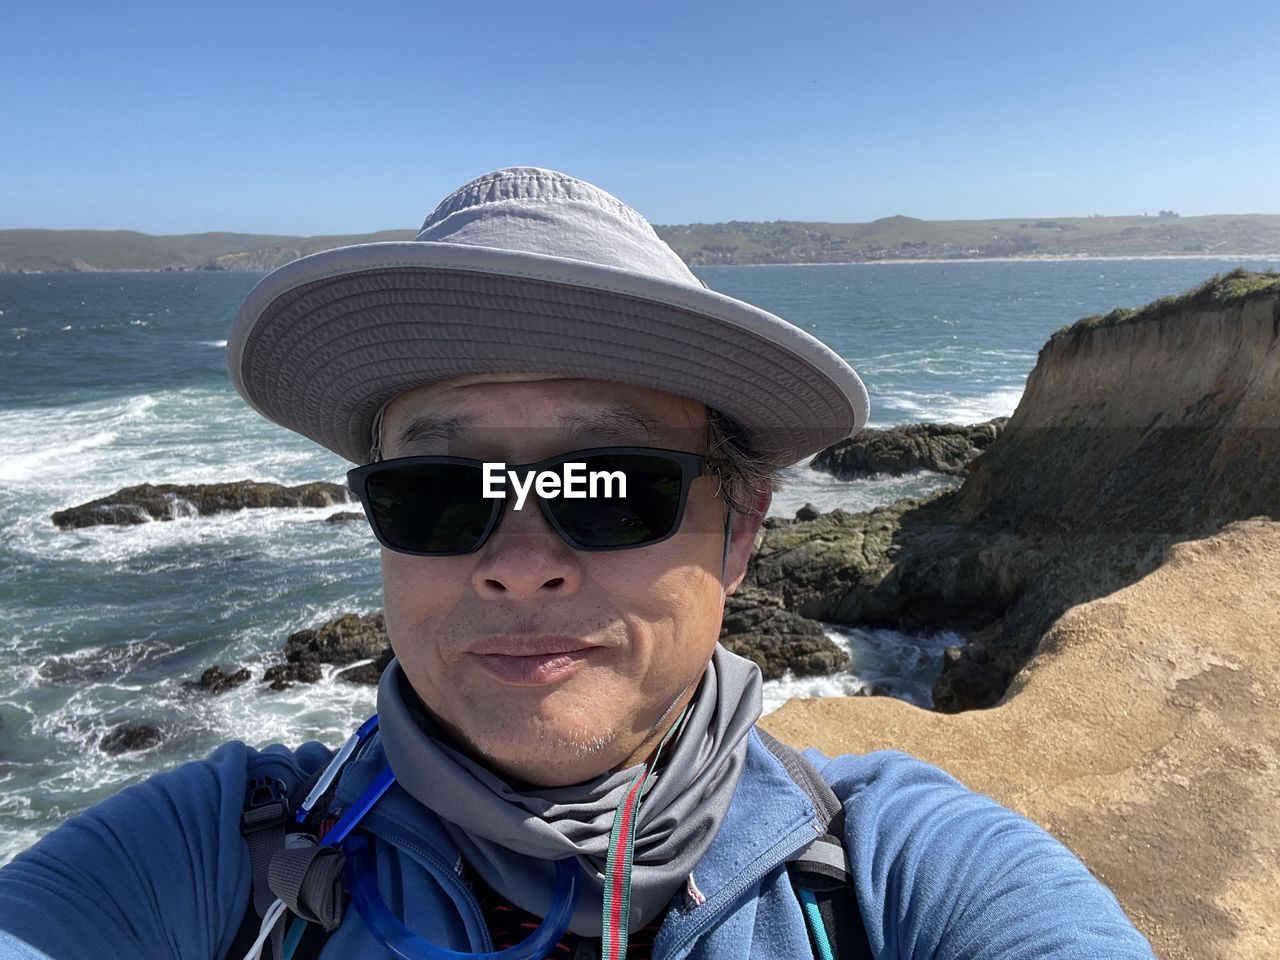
[512, 836]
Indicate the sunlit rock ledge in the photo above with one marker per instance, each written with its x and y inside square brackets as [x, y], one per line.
[1144, 734]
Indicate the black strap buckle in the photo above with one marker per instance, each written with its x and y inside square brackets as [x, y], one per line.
[266, 805]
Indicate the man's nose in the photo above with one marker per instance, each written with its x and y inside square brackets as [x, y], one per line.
[525, 559]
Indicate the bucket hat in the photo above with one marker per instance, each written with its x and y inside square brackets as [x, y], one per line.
[526, 270]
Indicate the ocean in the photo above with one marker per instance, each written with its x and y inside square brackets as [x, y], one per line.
[114, 379]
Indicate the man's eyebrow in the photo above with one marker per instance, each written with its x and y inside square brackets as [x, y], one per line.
[615, 425]
[432, 428]
[612, 425]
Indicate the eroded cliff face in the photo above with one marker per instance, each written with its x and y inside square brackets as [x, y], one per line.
[1136, 430]
[1160, 424]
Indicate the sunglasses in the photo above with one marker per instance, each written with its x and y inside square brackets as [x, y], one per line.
[436, 506]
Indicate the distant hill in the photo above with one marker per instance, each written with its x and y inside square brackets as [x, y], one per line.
[76, 250]
[903, 238]
[735, 242]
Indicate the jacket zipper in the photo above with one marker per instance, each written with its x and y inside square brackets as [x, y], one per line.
[444, 874]
[797, 840]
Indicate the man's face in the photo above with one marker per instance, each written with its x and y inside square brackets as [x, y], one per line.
[554, 665]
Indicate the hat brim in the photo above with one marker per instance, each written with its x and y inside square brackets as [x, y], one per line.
[323, 343]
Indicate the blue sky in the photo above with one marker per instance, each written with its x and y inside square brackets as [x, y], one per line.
[331, 118]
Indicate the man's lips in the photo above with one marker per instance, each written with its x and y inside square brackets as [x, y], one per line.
[528, 645]
[532, 661]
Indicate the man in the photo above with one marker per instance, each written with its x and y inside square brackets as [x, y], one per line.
[567, 445]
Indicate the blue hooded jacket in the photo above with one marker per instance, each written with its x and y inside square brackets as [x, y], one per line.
[161, 870]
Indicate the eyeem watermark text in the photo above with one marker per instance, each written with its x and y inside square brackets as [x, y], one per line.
[574, 482]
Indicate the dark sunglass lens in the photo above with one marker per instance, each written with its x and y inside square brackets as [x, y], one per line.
[648, 512]
[429, 508]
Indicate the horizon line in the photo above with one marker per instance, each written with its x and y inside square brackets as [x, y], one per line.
[691, 223]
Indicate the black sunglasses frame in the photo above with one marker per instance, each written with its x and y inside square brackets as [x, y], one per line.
[692, 466]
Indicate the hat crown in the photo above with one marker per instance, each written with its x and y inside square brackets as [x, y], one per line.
[533, 210]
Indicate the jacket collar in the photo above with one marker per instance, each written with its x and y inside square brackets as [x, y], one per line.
[770, 818]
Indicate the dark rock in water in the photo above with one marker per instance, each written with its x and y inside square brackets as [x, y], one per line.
[757, 627]
[343, 640]
[343, 517]
[968, 681]
[808, 512]
[940, 447]
[130, 737]
[281, 676]
[147, 502]
[215, 681]
[369, 673]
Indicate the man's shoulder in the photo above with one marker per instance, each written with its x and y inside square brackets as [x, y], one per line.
[878, 772]
[231, 766]
[974, 878]
[145, 865]
[892, 791]
[203, 796]
[850, 773]
[900, 792]
[280, 760]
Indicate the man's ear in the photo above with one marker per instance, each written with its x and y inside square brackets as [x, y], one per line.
[743, 528]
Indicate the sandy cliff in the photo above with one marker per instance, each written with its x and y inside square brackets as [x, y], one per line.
[1145, 735]
[1117, 550]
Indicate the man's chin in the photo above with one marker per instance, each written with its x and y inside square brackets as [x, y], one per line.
[548, 756]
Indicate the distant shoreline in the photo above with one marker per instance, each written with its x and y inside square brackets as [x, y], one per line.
[895, 239]
[1031, 258]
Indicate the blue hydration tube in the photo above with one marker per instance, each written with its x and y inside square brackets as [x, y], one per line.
[360, 878]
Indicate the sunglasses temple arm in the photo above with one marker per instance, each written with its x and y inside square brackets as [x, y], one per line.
[728, 532]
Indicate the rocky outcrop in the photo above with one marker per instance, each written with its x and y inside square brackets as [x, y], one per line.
[808, 512]
[1136, 430]
[756, 626]
[368, 673]
[129, 738]
[147, 502]
[940, 447]
[907, 564]
[344, 640]
[1164, 420]
[1145, 735]
[215, 680]
[344, 516]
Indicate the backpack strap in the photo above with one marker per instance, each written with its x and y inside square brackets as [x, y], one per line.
[820, 873]
[265, 821]
[308, 878]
